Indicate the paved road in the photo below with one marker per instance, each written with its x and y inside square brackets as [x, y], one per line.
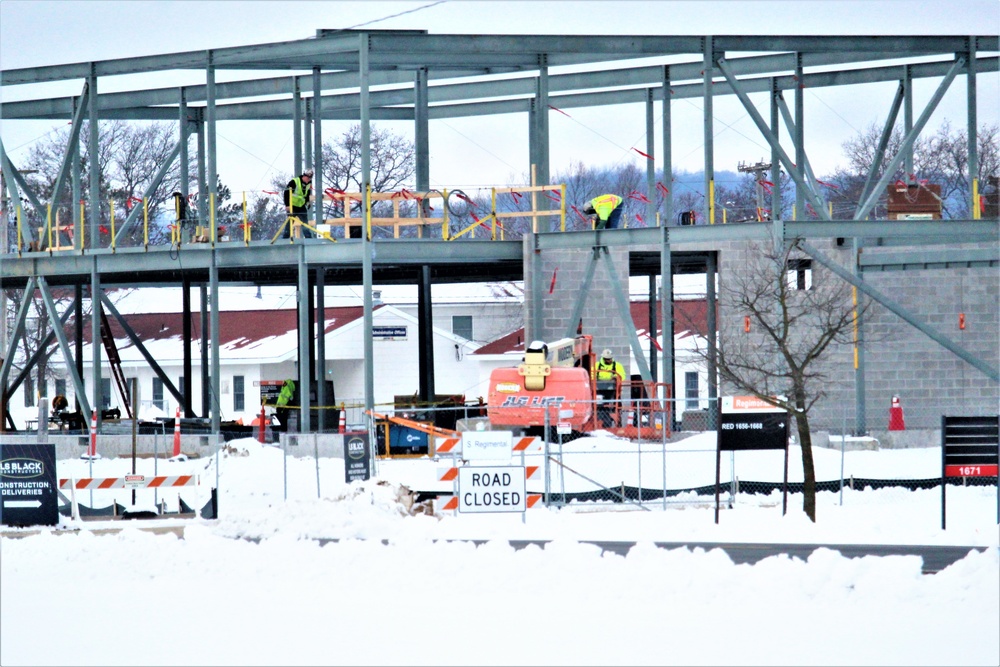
[935, 557]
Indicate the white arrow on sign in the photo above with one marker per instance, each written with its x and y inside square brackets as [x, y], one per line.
[22, 503]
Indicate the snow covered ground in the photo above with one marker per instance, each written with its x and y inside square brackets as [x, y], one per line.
[399, 586]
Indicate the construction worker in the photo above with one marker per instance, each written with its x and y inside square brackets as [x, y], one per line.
[608, 368]
[610, 375]
[608, 211]
[298, 195]
[286, 396]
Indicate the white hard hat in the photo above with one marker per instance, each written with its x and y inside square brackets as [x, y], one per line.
[606, 354]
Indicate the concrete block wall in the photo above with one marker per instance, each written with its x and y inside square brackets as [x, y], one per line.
[900, 360]
[601, 313]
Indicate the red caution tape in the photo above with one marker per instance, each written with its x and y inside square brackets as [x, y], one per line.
[560, 111]
[268, 192]
[638, 217]
[104, 230]
[662, 188]
[829, 185]
[635, 194]
[553, 198]
[577, 211]
[552, 285]
[645, 155]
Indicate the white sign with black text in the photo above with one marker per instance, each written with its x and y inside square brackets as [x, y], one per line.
[491, 489]
[487, 445]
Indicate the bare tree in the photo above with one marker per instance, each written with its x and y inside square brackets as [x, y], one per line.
[129, 156]
[940, 158]
[795, 316]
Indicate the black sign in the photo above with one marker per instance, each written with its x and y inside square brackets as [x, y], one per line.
[28, 491]
[357, 457]
[389, 333]
[748, 430]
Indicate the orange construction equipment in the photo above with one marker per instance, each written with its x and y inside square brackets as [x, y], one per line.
[896, 422]
[560, 379]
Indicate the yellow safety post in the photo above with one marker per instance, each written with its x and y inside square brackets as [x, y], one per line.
[829, 208]
[493, 212]
[976, 210]
[112, 225]
[20, 239]
[79, 228]
[368, 210]
[211, 215]
[48, 226]
[246, 223]
[562, 207]
[724, 211]
[711, 202]
[145, 223]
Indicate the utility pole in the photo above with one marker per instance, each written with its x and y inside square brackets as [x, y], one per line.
[758, 170]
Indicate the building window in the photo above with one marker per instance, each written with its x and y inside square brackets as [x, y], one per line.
[238, 400]
[105, 393]
[691, 390]
[799, 274]
[158, 394]
[29, 392]
[461, 325]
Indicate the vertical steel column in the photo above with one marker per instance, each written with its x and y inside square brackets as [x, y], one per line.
[651, 332]
[909, 177]
[860, 418]
[776, 204]
[213, 172]
[305, 333]
[533, 150]
[182, 138]
[799, 139]
[307, 157]
[667, 313]
[203, 295]
[650, 162]
[366, 241]
[213, 281]
[709, 65]
[668, 167]
[317, 180]
[186, 335]
[421, 131]
[973, 131]
[712, 326]
[95, 184]
[202, 178]
[77, 196]
[425, 327]
[296, 127]
[322, 400]
[542, 119]
[95, 336]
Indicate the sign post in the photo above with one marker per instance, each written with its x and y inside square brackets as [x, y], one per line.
[357, 457]
[749, 423]
[28, 491]
[970, 447]
[491, 489]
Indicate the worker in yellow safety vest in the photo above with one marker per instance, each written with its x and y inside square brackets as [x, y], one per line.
[298, 194]
[608, 211]
[608, 368]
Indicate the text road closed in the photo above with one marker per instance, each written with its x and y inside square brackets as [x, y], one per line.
[491, 489]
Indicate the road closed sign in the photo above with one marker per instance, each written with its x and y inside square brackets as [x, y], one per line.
[491, 489]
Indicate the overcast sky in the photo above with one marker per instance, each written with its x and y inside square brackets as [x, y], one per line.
[489, 151]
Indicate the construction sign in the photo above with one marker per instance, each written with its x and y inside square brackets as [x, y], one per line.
[28, 494]
[357, 457]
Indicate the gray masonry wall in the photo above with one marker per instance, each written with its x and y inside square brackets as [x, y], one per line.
[900, 360]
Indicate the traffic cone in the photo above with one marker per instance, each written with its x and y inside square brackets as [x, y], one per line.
[343, 420]
[177, 432]
[92, 449]
[896, 422]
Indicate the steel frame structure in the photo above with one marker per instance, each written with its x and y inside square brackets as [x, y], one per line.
[370, 75]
